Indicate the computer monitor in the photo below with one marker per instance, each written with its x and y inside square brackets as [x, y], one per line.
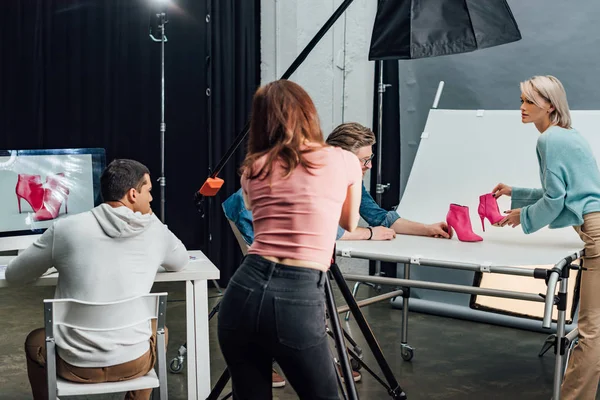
[39, 187]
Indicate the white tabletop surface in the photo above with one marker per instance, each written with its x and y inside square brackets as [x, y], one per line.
[199, 268]
[517, 250]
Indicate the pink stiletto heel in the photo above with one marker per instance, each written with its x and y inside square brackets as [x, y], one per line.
[488, 208]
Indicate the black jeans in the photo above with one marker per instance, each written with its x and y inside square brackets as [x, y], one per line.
[274, 311]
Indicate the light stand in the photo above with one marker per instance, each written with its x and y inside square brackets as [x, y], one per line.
[162, 21]
[380, 188]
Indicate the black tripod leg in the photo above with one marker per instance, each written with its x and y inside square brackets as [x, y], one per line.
[357, 348]
[214, 311]
[339, 343]
[396, 392]
[219, 386]
[340, 384]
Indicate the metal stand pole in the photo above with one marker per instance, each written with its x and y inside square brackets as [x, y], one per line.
[163, 126]
[380, 188]
[561, 341]
[339, 342]
[162, 180]
[406, 351]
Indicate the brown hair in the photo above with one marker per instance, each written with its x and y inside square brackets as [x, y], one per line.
[283, 119]
[351, 136]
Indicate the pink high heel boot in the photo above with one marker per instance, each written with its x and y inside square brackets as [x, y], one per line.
[459, 220]
[55, 194]
[29, 188]
[488, 208]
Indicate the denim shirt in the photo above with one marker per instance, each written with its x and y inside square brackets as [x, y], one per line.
[371, 212]
[235, 210]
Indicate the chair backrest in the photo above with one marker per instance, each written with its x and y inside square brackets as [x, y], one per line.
[240, 239]
[109, 316]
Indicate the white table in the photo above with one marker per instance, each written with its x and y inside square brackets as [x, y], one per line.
[500, 248]
[195, 274]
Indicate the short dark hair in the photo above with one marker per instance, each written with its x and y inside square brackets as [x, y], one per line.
[351, 136]
[120, 176]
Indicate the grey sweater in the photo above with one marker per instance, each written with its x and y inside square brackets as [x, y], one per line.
[106, 254]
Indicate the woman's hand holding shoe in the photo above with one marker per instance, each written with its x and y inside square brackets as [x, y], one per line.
[501, 190]
[512, 219]
[514, 216]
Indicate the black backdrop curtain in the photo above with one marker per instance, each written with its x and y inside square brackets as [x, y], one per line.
[390, 152]
[235, 57]
[84, 73]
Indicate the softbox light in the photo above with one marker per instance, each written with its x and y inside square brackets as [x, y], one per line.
[408, 29]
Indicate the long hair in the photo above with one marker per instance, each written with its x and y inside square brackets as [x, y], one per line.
[549, 89]
[283, 119]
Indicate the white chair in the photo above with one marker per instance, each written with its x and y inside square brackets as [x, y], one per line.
[106, 317]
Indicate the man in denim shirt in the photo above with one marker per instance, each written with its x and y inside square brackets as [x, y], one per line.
[383, 225]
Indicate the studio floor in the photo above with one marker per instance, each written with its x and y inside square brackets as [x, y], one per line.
[454, 359]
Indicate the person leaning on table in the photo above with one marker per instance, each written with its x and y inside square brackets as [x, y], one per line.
[384, 225]
[570, 196]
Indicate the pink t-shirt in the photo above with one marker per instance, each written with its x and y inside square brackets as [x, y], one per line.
[297, 217]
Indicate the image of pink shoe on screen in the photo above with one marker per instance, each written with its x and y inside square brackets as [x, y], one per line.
[56, 193]
[42, 186]
[30, 189]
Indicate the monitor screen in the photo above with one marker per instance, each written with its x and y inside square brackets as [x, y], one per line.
[41, 186]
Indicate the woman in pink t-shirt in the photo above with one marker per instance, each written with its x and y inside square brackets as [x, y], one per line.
[299, 190]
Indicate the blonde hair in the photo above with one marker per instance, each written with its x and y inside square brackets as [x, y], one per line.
[549, 89]
[351, 136]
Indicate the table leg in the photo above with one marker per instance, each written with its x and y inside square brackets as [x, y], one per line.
[190, 326]
[202, 339]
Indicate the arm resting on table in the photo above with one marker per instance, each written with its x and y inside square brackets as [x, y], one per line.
[177, 256]
[33, 262]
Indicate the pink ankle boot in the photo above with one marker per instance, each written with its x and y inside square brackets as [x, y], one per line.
[459, 220]
[488, 208]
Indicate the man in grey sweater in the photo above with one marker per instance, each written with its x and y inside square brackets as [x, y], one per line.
[109, 253]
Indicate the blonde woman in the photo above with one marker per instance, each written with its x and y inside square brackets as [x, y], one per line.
[570, 196]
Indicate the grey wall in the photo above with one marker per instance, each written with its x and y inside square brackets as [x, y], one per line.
[560, 38]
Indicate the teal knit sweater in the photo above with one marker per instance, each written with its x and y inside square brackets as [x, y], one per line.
[570, 183]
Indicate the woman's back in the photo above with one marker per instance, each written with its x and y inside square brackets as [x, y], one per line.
[297, 217]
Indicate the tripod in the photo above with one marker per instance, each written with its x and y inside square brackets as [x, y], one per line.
[394, 390]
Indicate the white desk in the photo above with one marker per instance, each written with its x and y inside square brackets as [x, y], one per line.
[195, 275]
